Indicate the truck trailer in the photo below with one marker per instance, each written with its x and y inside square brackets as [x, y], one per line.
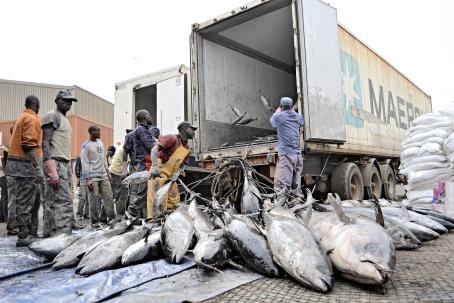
[165, 94]
[356, 105]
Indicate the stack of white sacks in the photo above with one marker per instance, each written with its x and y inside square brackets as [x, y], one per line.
[424, 157]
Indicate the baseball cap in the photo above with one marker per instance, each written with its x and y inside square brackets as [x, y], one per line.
[286, 101]
[66, 95]
[185, 124]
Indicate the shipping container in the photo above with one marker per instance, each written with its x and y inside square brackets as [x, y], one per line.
[356, 105]
[163, 93]
[79, 125]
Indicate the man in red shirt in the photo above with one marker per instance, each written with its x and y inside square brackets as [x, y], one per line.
[168, 156]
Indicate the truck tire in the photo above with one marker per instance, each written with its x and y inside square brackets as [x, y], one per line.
[389, 183]
[347, 182]
[375, 182]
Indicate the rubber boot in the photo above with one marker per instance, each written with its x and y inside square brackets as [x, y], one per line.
[23, 237]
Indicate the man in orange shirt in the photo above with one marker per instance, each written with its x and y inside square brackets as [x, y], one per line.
[23, 169]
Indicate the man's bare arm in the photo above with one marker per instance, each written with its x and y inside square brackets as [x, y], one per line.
[48, 132]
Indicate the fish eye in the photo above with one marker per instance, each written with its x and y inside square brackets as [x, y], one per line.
[371, 247]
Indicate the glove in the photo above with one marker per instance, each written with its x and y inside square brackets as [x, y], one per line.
[155, 172]
[50, 171]
[90, 184]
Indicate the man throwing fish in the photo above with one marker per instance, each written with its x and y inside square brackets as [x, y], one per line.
[168, 156]
[290, 163]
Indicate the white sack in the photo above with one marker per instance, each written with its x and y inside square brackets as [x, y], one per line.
[430, 118]
[425, 135]
[423, 166]
[417, 194]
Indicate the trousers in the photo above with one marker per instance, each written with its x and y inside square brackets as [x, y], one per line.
[58, 203]
[120, 194]
[288, 173]
[25, 194]
[101, 190]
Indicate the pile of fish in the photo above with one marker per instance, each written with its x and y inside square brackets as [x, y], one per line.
[250, 227]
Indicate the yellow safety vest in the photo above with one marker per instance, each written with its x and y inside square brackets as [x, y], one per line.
[167, 170]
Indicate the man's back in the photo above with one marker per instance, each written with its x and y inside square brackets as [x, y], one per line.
[288, 124]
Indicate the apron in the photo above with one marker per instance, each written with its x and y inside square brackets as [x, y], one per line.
[167, 170]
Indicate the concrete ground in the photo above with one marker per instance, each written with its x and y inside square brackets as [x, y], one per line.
[423, 275]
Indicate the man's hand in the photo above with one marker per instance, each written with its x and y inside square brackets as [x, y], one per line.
[124, 168]
[155, 172]
[109, 176]
[50, 171]
[278, 109]
[89, 184]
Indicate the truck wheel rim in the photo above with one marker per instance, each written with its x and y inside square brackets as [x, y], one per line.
[355, 184]
[375, 185]
[390, 184]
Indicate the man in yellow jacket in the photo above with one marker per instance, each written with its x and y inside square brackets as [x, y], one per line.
[168, 155]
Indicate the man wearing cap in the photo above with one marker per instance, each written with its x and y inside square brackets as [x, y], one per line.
[169, 156]
[290, 164]
[24, 172]
[58, 195]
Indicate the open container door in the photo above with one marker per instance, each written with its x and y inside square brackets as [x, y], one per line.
[324, 110]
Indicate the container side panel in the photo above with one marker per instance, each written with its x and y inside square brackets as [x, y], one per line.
[380, 102]
[170, 104]
[124, 115]
[322, 87]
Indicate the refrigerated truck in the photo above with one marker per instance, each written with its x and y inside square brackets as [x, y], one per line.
[165, 94]
[356, 105]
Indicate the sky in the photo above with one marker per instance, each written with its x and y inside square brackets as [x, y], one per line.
[96, 43]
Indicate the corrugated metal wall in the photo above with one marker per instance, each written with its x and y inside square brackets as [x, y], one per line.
[13, 94]
[93, 107]
[80, 132]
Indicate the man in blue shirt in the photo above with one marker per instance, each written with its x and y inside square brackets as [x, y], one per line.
[290, 164]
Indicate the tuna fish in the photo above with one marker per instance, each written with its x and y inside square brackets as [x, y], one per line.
[359, 249]
[265, 101]
[213, 249]
[136, 178]
[297, 251]
[50, 247]
[72, 254]
[393, 223]
[147, 249]
[202, 225]
[108, 254]
[247, 121]
[433, 213]
[250, 202]
[176, 234]
[416, 218]
[250, 244]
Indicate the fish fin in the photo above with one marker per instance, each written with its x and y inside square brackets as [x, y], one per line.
[202, 264]
[308, 215]
[310, 201]
[336, 202]
[238, 266]
[405, 212]
[378, 213]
